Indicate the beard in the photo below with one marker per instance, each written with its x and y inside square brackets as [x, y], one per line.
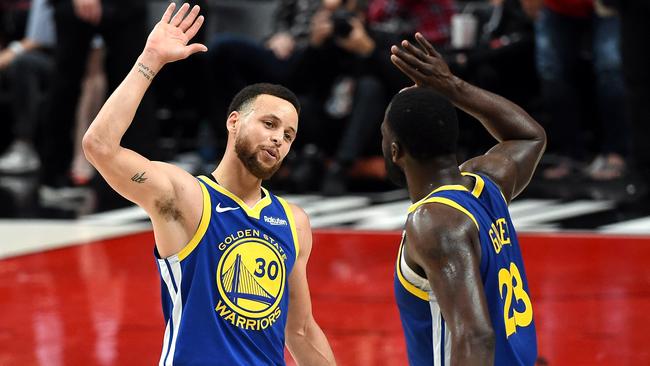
[247, 154]
[394, 173]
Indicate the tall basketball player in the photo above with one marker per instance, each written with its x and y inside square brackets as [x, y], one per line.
[232, 256]
[460, 282]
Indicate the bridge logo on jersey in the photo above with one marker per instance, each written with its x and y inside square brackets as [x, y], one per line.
[250, 278]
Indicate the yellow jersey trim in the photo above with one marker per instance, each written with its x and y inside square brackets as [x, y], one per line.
[478, 187]
[476, 191]
[447, 202]
[254, 211]
[407, 285]
[292, 223]
[203, 225]
[451, 187]
[482, 184]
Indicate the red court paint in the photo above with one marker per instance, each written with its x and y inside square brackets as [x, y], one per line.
[98, 304]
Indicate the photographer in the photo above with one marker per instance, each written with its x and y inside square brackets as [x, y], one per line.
[348, 44]
[238, 60]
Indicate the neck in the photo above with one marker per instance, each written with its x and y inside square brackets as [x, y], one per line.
[233, 176]
[422, 178]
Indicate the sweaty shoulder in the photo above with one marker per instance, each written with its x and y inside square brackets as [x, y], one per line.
[435, 226]
[437, 217]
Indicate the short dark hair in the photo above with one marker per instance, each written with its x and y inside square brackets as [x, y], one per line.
[251, 92]
[424, 122]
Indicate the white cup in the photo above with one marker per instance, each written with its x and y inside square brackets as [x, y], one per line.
[463, 31]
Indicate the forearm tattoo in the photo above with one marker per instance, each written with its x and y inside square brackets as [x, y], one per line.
[139, 177]
[145, 71]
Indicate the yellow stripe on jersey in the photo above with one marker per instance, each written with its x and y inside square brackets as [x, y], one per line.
[447, 202]
[478, 187]
[482, 184]
[203, 225]
[407, 285]
[451, 187]
[254, 211]
[292, 223]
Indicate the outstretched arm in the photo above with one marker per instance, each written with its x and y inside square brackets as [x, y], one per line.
[154, 186]
[305, 339]
[521, 140]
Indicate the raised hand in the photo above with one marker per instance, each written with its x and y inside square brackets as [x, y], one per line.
[168, 40]
[424, 65]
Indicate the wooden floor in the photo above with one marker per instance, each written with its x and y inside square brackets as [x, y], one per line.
[99, 303]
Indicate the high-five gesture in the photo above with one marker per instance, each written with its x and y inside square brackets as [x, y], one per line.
[425, 66]
[168, 41]
[511, 163]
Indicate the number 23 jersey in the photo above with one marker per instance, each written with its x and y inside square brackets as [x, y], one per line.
[225, 295]
[428, 339]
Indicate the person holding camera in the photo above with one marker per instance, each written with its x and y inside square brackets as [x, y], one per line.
[238, 60]
[348, 44]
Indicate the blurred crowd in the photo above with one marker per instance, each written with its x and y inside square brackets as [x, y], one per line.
[579, 66]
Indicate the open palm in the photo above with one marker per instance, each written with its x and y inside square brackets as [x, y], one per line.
[169, 38]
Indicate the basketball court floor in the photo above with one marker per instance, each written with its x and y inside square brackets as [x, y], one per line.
[87, 292]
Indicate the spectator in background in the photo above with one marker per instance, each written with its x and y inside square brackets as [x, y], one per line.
[561, 28]
[122, 25]
[238, 61]
[13, 18]
[503, 62]
[503, 59]
[93, 95]
[29, 66]
[13, 23]
[635, 38]
[353, 38]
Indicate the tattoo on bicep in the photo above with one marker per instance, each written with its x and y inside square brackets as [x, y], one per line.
[139, 177]
[145, 71]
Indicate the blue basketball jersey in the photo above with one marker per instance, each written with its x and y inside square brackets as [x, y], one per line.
[225, 295]
[428, 339]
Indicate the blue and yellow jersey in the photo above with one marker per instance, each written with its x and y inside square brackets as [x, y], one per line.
[225, 295]
[428, 339]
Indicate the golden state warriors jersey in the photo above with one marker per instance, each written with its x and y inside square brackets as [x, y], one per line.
[428, 339]
[225, 295]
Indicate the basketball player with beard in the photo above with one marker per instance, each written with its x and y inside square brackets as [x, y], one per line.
[232, 256]
[460, 282]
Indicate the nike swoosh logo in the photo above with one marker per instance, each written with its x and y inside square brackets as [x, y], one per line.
[220, 209]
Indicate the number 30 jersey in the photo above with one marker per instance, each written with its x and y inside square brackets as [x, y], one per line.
[428, 339]
[225, 295]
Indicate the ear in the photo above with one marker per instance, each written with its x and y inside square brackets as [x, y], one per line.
[232, 122]
[396, 152]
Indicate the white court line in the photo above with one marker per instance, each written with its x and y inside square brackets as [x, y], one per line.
[375, 211]
[19, 237]
[128, 214]
[335, 204]
[561, 211]
[522, 207]
[392, 222]
[301, 199]
[394, 195]
[636, 226]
